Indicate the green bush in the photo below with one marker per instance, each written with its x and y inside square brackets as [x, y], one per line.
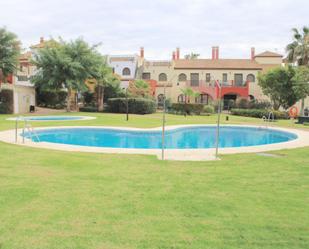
[262, 104]
[52, 99]
[136, 105]
[208, 109]
[187, 108]
[259, 113]
[88, 109]
[6, 101]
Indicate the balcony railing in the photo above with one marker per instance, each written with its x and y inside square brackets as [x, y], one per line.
[210, 84]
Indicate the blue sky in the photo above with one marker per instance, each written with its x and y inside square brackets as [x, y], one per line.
[160, 25]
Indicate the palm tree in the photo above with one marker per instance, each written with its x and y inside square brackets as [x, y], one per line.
[188, 92]
[192, 56]
[298, 51]
[9, 53]
[104, 78]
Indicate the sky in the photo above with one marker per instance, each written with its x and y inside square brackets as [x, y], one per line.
[160, 26]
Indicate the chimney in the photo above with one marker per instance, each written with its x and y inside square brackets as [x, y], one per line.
[41, 40]
[252, 53]
[217, 53]
[177, 53]
[142, 52]
[174, 56]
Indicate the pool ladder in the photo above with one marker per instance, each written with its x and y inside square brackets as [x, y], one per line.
[270, 118]
[27, 127]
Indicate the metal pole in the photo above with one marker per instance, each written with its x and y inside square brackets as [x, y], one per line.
[163, 124]
[218, 123]
[16, 127]
[127, 104]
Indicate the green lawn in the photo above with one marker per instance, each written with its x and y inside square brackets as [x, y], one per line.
[61, 200]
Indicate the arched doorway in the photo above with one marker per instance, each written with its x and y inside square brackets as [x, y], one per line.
[229, 101]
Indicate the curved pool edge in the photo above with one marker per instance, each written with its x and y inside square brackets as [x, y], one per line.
[302, 140]
[51, 120]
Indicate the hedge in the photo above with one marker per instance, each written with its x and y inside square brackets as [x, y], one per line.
[52, 99]
[187, 108]
[6, 101]
[259, 113]
[88, 109]
[136, 105]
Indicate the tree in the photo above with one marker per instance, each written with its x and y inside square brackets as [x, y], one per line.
[188, 92]
[298, 50]
[301, 86]
[191, 56]
[66, 65]
[139, 88]
[9, 53]
[282, 86]
[105, 79]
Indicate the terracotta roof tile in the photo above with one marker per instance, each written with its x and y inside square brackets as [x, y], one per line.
[268, 54]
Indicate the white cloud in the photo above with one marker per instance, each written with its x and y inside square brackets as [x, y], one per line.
[160, 25]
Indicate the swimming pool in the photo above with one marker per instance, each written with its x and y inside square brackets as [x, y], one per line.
[192, 137]
[52, 118]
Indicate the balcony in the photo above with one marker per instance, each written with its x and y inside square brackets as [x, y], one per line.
[212, 89]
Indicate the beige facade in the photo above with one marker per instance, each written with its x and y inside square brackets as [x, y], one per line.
[232, 73]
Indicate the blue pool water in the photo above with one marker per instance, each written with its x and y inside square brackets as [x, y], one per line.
[50, 118]
[180, 138]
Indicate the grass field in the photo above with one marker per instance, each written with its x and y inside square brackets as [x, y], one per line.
[61, 200]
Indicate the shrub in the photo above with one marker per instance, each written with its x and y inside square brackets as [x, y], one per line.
[89, 98]
[88, 109]
[187, 108]
[259, 113]
[6, 101]
[136, 105]
[52, 99]
[256, 104]
[242, 103]
[208, 109]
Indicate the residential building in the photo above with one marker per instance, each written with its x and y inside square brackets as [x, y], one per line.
[20, 84]
[237, 77]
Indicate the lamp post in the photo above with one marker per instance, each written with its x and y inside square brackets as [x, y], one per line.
[163, 122]
[127, 103]
[218, 120]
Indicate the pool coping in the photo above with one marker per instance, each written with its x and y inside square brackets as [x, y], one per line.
[25, 118]
[302, 140]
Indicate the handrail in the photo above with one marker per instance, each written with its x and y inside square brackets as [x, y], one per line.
[26, 126]
[271, 115]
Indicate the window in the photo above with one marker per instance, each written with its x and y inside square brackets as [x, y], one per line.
[208, 77]
[22, 78]
[126, 71]
[181, 98]
[146, 76]
[204, 98]
[194, 79]
[182, 77]
[238, 79]
[162, 77]
[250, 78]
[160, 100]
[224, 77]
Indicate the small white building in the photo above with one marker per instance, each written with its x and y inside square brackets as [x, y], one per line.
[125, 66]
[20, 84]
